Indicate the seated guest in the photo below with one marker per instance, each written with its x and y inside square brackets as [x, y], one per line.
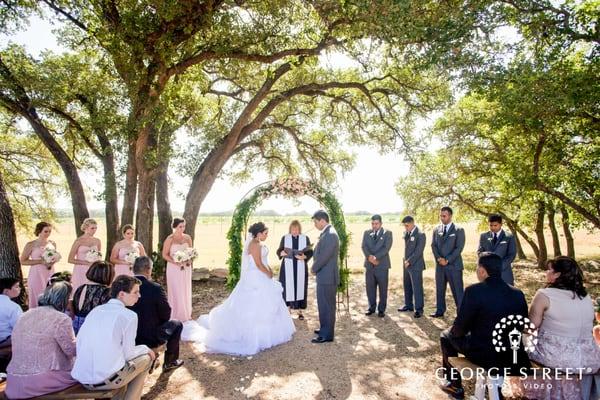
[483, 306]
[43, 347]
[107, 357]
[564, 315]
[93, 293]
[153, 311]
[9, 310]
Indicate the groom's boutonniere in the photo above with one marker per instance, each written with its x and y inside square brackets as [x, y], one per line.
[489, 239]
[440, 233]
[412, 238]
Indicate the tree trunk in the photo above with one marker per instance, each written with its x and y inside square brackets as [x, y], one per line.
[145, 209]
[202, 182]
[567, 230]
[10, 266]
[520, 253]
[553, 230]
[130, 193]
[539, 232]
[163, 206]
[111, 206]
[78, 202]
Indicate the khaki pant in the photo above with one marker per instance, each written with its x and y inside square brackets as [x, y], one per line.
[132, 376]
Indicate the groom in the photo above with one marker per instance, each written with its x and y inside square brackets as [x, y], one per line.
[325, 266]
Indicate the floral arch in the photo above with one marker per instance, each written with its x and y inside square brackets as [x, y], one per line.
[286, 187]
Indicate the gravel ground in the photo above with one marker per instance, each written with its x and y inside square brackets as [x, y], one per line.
[372, 358]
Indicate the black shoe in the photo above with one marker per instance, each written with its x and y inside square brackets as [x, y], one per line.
[436, 315]
[405, 308]
[418, 314]
[369, 312]
[317, 331]
[381, 314]
[456, 392]
[319, 339]
[172, 365]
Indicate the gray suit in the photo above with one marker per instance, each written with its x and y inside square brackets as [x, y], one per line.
[505, 247]
[325, 266]
[379, 245]
[413, 275]
[450, 247]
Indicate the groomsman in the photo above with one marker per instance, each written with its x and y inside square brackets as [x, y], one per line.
[499, 242]
[414, 264]
[447, 245]
[376, 246]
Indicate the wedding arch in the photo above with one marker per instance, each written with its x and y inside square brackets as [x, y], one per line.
[290, 188]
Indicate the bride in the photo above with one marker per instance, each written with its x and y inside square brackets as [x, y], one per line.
[254, 317]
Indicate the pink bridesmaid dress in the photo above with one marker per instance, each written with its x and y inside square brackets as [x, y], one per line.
[38, 277]
[79, 271]
[123, 269]
[179, 287]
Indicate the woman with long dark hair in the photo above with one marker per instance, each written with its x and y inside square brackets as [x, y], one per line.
[563, 312]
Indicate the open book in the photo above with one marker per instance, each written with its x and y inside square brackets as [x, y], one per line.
[293, 253]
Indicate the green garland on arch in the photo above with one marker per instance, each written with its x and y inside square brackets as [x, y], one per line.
[287, 187]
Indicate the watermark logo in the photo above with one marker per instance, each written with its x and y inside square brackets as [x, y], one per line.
[527, 334]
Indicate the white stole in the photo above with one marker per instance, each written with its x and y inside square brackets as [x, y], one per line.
[289, 270]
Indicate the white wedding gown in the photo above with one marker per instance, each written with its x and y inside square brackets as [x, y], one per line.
[254, 317]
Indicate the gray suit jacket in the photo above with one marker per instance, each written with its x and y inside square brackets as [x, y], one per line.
[326, 258]
[379, 247]
[414, 248]
[505, 248]
[449, 246]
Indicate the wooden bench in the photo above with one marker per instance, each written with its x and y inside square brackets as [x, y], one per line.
[73, 392]
[492, 384]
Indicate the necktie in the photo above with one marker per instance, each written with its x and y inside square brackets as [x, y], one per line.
[374, 236]
[445, 229]
[495, 238]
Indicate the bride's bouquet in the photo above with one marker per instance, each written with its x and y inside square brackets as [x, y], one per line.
[50, 255]
[93, 255]
[131, 256]
[185, 256]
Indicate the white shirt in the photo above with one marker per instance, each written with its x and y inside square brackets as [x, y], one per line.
[105, 341]
[9, 314]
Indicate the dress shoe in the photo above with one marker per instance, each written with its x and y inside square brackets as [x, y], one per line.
[319, 339]
[418, 314]
[172, 365]
[456, 392]
[381, 314]
[405, 308]
[369, 312]
[436, 315]
[317, 331]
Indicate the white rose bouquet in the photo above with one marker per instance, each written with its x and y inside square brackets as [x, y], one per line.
[50, 255]
[93, 255]
[185, 256]
[131, 256]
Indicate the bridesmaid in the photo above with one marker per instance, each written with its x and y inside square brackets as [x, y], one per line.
[179, 275]
[122, 247]
[40, 271]
[81, 246]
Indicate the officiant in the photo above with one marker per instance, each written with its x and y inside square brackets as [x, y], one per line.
[294, 252]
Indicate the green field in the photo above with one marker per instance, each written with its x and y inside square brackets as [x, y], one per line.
[212, 247]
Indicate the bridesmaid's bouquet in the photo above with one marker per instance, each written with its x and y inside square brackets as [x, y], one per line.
[93, 255]
[185, 256]
[131, 256]
[50, 255]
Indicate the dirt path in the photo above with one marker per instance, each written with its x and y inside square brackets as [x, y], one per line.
[372, 358]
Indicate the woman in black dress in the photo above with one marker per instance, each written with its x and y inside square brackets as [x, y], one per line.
[294, 252]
